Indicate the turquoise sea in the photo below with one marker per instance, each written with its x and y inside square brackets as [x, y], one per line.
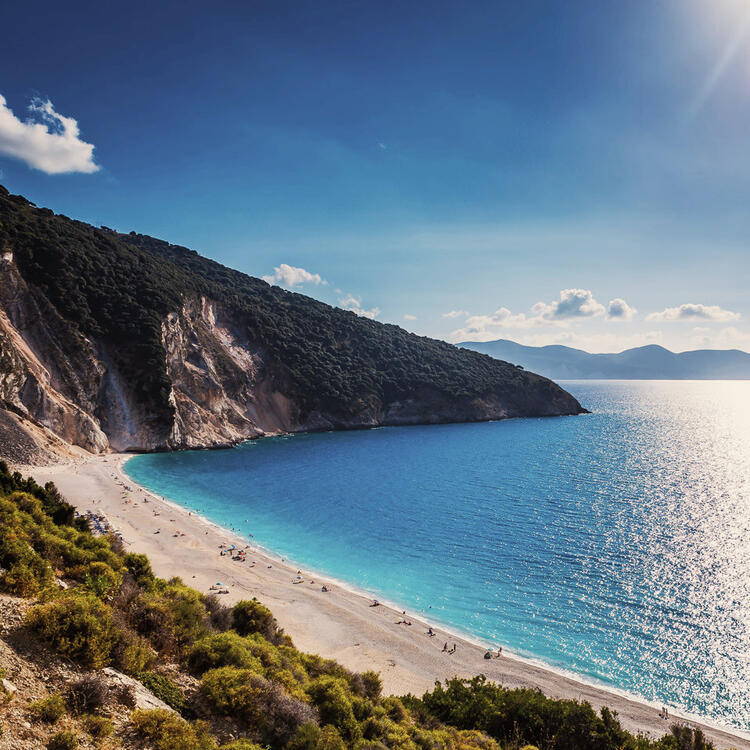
[614, 545]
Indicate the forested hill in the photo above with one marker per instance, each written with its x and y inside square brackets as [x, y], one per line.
[125, 341]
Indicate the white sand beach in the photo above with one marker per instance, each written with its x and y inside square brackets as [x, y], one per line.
[339, 623]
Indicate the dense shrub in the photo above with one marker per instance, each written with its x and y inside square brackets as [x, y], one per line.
[222, 650]
[524, 716]
[330, 739]
[101, 579]
[48, 709]
[63, 741]
[150, 616]
[186, 615]
[33, 543]
[264, 707]
[220, 616]
[334, 703]
[250, 616]
[132, 653]
[163, 688]
[140, 568]
[307, 737]
[25, 572]
[684, 738]
[372, 685]
[24, 579]
[242, 744]
[167, 731]
[78, 626]
[98, 727]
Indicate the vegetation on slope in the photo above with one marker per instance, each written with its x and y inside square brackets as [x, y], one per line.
[117, 289]
[237, 675]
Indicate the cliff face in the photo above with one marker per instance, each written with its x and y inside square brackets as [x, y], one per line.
[72, 388]
[114, 342]
[46, 377]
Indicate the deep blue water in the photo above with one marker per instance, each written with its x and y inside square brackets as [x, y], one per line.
[614, 545]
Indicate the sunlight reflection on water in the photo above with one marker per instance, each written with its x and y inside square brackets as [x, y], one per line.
[614, 545]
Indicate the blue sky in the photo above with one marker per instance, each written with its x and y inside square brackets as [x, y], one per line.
[572, 172]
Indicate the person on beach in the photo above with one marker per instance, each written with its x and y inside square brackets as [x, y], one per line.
[445, 646]
[430, 632]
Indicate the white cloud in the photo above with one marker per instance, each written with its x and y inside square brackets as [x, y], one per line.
[292, 275]
[728, 338]
[50, 143]
[618, 309]
[573, 303]
[692, 311]
[410, 317]
[733, 338]
[488, 327]
[700, 337]
[456, 314]
[350, 302]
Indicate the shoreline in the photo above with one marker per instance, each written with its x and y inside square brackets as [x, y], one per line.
[340, 624]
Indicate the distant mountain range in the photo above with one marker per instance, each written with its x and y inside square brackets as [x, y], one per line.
[642, 363]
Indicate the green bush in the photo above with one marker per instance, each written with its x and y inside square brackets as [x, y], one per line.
[242, 744]
[133, 653]
[22, 579]
[222, 650]
[140, 568]
[63, 741]
[25, 571]
[163, 688]
[307, 737]
[77, 626]
[523, 716]
[372, 684]
[101, 579]
[219, 614]
[190, 619]
[167, 731]
[265, 708]
[250, 616]
[98, 727]
[334, 703]
[150, 616]
[684, 738]
[49, 709]
[330, 739]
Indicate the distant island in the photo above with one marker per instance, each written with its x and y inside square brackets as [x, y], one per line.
[642, 363]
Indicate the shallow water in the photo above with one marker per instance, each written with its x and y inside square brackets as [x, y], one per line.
[613, 545]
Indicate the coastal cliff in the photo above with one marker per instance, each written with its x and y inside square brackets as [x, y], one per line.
[124, 342]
